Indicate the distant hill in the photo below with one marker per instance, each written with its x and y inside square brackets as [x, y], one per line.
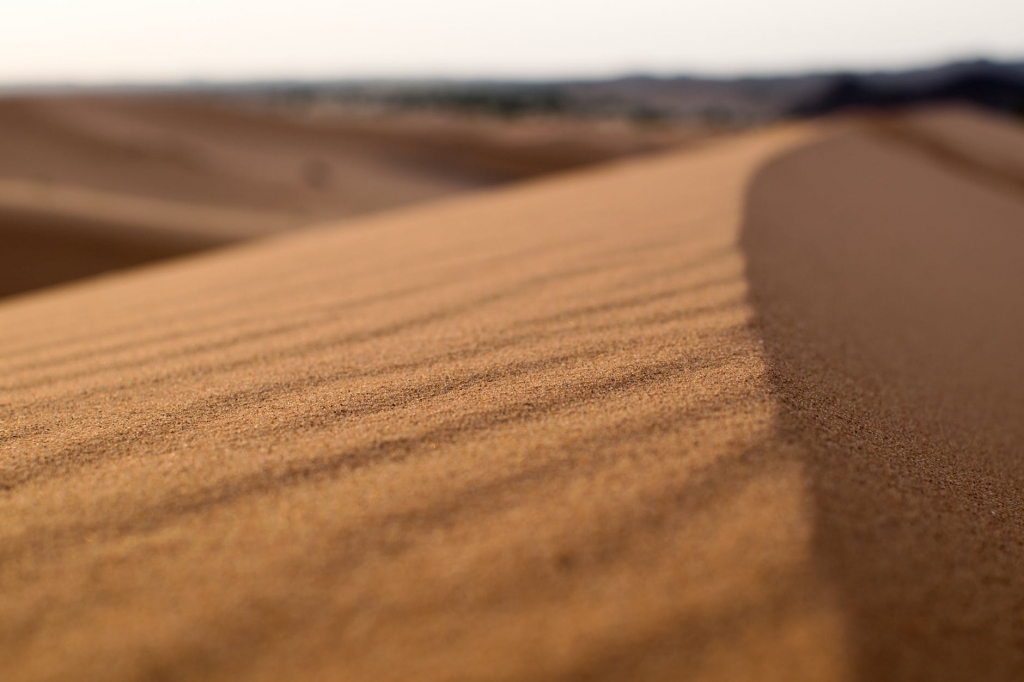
[995, 86]
[732, 102]
[644, 99]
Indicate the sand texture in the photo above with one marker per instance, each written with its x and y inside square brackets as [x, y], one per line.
[753, 411]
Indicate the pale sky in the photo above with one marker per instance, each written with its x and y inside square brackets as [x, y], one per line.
[110, 41]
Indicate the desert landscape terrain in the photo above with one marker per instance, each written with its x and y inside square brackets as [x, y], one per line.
[91, 183]
[749, 408]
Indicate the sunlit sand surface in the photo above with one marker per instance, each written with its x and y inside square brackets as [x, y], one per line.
[750, 411]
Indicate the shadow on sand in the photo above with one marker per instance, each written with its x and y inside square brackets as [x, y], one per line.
[890, 292]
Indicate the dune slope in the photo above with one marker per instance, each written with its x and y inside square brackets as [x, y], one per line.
[674, 417]
[890, 289]
[987, 145]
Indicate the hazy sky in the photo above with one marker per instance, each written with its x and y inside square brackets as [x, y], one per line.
[164, 40]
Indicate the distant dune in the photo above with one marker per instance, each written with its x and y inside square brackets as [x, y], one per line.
[93, 183]
[753, 411]
[989, 146]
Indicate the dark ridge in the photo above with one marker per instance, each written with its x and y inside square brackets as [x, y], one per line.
[644, 99]
[992, 86]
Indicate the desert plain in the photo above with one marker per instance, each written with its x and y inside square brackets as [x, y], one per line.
[746, 408]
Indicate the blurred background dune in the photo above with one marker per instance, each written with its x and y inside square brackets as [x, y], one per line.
[134, 133]
[90, 183]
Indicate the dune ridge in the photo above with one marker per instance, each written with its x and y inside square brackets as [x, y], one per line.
[666, 417]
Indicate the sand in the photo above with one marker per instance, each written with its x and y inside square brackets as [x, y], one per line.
[989, 144]
[93, 183]
[890, 291]
[752, 411]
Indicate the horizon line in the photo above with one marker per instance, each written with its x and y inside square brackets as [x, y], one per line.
[213, 82]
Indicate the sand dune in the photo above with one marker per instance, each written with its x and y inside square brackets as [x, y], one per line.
[748, 412]
[146, 177]
[989, 143]
[889, 288]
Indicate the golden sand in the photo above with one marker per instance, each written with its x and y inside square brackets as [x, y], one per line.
[750, 412]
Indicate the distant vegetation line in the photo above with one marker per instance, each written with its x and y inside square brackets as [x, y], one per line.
[646, 99]
[723, 102]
